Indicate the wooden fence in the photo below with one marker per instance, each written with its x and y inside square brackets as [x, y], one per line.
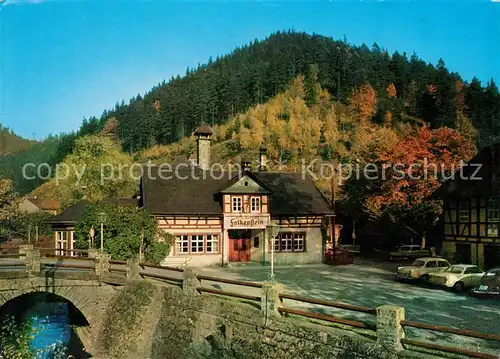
[129, 268]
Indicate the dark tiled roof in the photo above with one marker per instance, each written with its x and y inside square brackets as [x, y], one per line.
[203, 130]
[469, 183]
[44, 203]
[176, 195]
[122, 201]
[71, 214]
[74, 213]
[291, 194]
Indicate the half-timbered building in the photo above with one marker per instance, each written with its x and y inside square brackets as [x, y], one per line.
[218, 217]
[471, 210]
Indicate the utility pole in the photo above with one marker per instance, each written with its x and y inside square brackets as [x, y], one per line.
[102, 218]
[102, 237]
[334, 241]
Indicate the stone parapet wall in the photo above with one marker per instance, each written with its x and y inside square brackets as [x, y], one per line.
[211, 327]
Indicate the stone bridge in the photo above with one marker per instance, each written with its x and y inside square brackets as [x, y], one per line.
[90, 285]
[90, 296]
[176, 317]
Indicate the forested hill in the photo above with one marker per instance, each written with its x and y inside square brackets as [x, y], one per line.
[12, 143]
[231, 84]
[216, 91]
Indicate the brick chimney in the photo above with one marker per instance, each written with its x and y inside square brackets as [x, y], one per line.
[203, 133]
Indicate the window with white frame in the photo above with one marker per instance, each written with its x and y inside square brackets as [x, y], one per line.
[276, 241]
[237, 204]
[493, 211]
[255, 204]
[493, 230]
[197, 243]
[290, 242]
[212, 243]
[182, 244]
[298, 242]
[463, 211]
[493, 218]
[62, 237]
[286, 240]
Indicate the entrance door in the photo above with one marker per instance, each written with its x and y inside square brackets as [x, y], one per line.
[239, 248]
[491, 256]
[463, 253]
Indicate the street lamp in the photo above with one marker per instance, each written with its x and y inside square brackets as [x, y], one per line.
[102, 218]
[272, 230]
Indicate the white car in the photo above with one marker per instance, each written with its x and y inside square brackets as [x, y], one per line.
[458, 277]
[422, 268]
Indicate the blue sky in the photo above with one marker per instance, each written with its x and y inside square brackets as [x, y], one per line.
[63, 61]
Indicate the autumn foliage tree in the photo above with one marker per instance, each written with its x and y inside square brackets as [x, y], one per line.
[110, 128]
[391, 90]
[406, 175]
[7, 204]
[363, 102]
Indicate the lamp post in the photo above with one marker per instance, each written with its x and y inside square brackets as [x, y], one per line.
[272, 230]
[102, 218]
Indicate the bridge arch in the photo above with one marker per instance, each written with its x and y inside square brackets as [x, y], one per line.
[31, 300]
[89, 297]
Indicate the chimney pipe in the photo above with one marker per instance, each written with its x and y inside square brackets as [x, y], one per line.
[203, 147]
[245, 165]
[262, 159]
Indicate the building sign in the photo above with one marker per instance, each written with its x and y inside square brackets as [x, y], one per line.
[245, 222]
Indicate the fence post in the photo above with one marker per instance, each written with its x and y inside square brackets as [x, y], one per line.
[389, 328]
[24, 248]
[102, 264]
[190, 282]
[133, 268]
[32, 261]
[270, 300]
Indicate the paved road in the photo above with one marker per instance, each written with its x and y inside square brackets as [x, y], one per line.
[372, 285]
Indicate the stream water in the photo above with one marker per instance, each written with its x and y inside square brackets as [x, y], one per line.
[53, 332]
[43, 324]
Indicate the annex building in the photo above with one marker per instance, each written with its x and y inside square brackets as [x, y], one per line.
[472, 211]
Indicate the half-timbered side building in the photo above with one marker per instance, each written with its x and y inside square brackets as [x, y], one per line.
[219, 217]
[471, 211]
[63, 225]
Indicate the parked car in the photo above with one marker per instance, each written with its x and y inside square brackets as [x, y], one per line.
[459, 277]
[409, 252]
[350, 248]
[422, 268]
[489, 286]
